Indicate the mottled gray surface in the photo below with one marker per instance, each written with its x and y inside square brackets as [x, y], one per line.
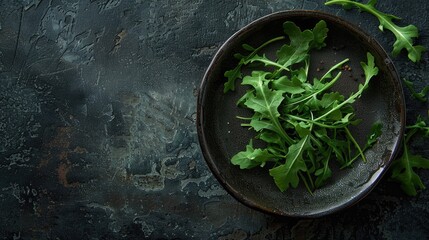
[97, 124]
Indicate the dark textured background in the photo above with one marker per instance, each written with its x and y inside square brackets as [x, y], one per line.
[97, 124]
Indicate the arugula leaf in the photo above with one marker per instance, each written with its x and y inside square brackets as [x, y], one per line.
[296, 36]
[251, 157]
[372, 139]
[232, 75]
[404, 35]
[419, 125]
[297, 51]
[403, 168]
[235, 73]
[323, 174]
[286, 174]
[268, 62]
[292, 86]
[270, 137]
[403, 171]
[369, 68]
[373, 136]
[261, 124]
[417, 95]
[265, 101]
[320, 32]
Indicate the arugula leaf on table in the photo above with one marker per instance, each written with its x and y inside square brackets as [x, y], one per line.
[403, 171]
[403, 168]
[404, 35]
[417, 95]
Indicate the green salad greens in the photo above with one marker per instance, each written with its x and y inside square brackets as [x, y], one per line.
[302, 124]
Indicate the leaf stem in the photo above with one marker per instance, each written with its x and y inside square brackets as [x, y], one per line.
[310, 190]
[356, 144]
[252, 54]
[327, 86]
[268, 43]
[333, 68]
[313, 122]
[348, 100]
[267, 61]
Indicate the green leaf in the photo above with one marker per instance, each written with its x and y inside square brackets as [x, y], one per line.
[286, 175]
[323, 174]
[235, 73]
[260, 124]
[232, 75]
[248, 47]
[404, 35]
[374, 134]
[403, 171]
[421, 96]
[296, 36]
[320, 32]
[369, 68]
[251, 157]
[403, 168]
[419, 126]
[301, 74]
[265, 101]
[335, 115]
[263, 59]
[297, 50]
[292, 86]
[313, 94]
[289, 55]
[248, 94]
[302, 128]
[329, 99]
[270, 137]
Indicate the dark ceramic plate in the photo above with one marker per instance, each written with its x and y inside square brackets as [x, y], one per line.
[221, 135]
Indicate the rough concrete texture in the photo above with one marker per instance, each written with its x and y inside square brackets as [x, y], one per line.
[97, 124]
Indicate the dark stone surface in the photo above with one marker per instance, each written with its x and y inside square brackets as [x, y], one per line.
[97, 124]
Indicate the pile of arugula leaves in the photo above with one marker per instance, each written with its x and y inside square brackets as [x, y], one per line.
[303, 124]
[404, 167]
